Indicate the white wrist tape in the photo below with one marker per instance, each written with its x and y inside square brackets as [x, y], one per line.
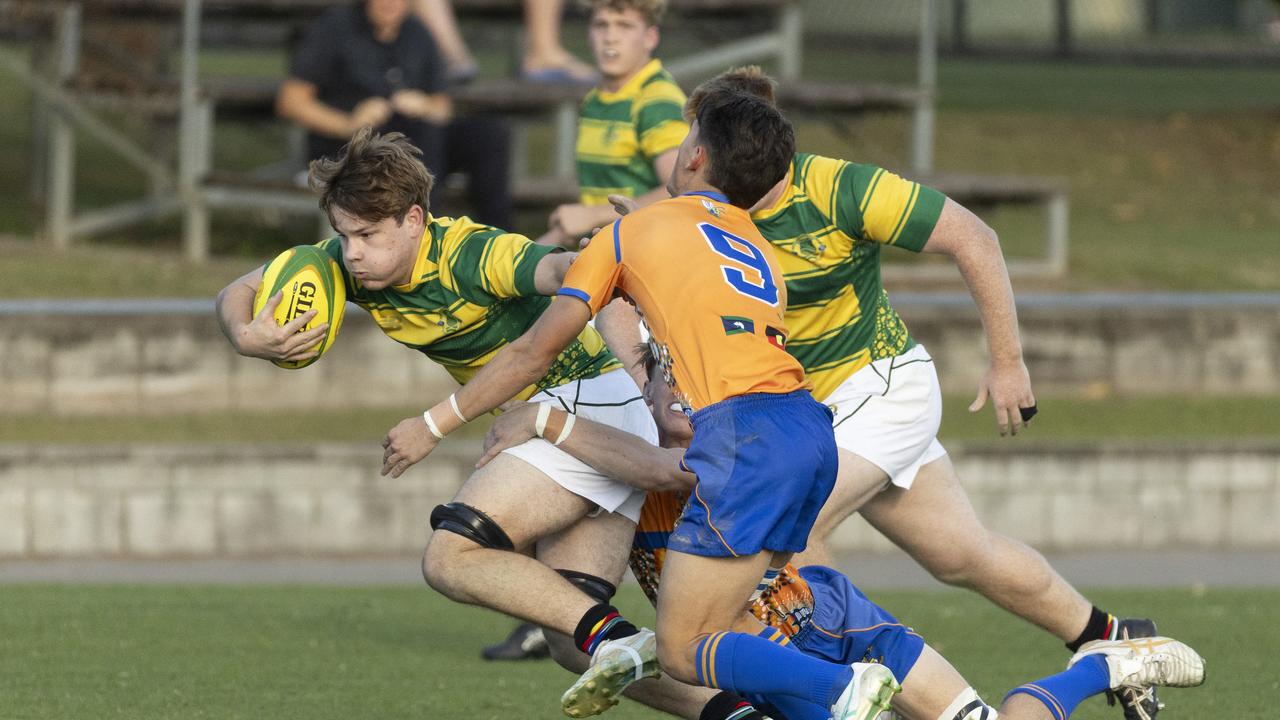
[540, 425]
[453, 403]
[568, 428]
[431, 425]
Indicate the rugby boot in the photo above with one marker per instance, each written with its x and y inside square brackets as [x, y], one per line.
[614, 666]
[1138, 665]
[1137, 704]
[867, 694]
[526, 642]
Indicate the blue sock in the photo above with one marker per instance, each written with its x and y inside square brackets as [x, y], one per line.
[1061, 693]
[750, 664]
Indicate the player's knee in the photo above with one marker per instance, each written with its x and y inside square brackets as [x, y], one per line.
[965, 564]
[459, 528]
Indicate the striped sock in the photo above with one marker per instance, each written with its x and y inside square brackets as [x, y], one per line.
[1061, 693]
[749, 664]
[600, 623]
[1102, 625]
[729, 706]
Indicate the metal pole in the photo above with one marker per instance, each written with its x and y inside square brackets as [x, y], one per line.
[62, 139]
[1063, 11]
[927, 71]
[192, 139]
[790, 39]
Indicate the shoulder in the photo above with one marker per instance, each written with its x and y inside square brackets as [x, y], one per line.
[660, 87]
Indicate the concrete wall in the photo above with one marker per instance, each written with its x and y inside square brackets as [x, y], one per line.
[125, 361]
[258, 500]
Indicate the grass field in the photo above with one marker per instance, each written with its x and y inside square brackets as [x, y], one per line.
[263, 653]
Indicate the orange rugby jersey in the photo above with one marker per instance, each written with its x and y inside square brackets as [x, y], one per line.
[710, 292]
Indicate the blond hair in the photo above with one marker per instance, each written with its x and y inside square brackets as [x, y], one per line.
[748, 79]
[651, 10]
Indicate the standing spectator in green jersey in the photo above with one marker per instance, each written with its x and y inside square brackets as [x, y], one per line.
[630, 124]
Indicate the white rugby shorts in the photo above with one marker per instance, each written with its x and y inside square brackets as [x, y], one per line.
[612, 399]
[889, 412]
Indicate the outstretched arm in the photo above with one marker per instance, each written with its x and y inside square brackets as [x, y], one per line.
[514, 368]
[976, 251]
[614, 453]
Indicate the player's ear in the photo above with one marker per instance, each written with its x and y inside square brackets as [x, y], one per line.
[651, 38]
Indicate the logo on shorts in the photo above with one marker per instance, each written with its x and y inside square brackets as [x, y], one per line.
[734, 325]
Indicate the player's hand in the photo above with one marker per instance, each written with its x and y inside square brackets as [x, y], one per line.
[405, 444]
[622, 204]
[511, 428]
[415, 103]
[263, 338]
[1009, 387]
[576, 220]
[371, 112]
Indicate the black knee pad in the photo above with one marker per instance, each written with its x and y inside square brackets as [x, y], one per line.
[471, 524]
[598, 589]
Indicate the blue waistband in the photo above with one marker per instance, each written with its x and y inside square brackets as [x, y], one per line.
[741, 402]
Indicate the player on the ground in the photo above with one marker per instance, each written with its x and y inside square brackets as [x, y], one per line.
[762, 449]
[815, 609]
[629, 126]
[828, 220]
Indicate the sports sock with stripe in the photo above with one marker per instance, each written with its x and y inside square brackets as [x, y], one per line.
[730, 706]
[1061, 693]
[600, 623]
[750, 664]
[1099, 627]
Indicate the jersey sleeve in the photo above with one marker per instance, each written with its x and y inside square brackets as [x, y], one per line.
[595, 273]
[486, 264]
[871, 203]
[659, 114]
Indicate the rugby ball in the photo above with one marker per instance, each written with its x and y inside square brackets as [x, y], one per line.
[310, 280]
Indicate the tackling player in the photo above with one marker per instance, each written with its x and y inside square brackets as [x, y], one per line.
[816, 610]
[828, 220]
[762, 448]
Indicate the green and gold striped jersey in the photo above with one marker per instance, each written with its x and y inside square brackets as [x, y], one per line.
[621, 133]
[828, 227]
[472, 293]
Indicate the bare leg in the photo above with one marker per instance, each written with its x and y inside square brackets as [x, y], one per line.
[543, 50]
[510, 582]
[438, 16]
[936, 524]
[933, 684]
[857, 481]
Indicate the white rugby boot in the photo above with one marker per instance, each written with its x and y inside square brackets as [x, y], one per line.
[867, 694]
[614, 666]
[1141, 664]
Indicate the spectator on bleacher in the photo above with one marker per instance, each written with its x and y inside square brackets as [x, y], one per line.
[373, 64]
[545, 59]
[630, 124]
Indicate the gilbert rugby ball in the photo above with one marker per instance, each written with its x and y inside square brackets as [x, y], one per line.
[310, 280]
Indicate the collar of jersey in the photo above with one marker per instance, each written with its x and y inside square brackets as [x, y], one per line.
[783, 200]
[718, 197]
[422, 265]
[632, 87]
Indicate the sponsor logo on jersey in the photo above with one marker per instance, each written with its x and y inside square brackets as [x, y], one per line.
[776, 337]
[715, 210]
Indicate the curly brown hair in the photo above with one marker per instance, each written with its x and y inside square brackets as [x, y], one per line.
[372, 178]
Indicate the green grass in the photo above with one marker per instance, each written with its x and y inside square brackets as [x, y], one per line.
[1062, 419]
[337, 653]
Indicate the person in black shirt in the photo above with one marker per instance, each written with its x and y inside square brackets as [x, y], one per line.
[373, 64]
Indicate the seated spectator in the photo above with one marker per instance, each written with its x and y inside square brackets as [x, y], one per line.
[545, 59]
[373, 64]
